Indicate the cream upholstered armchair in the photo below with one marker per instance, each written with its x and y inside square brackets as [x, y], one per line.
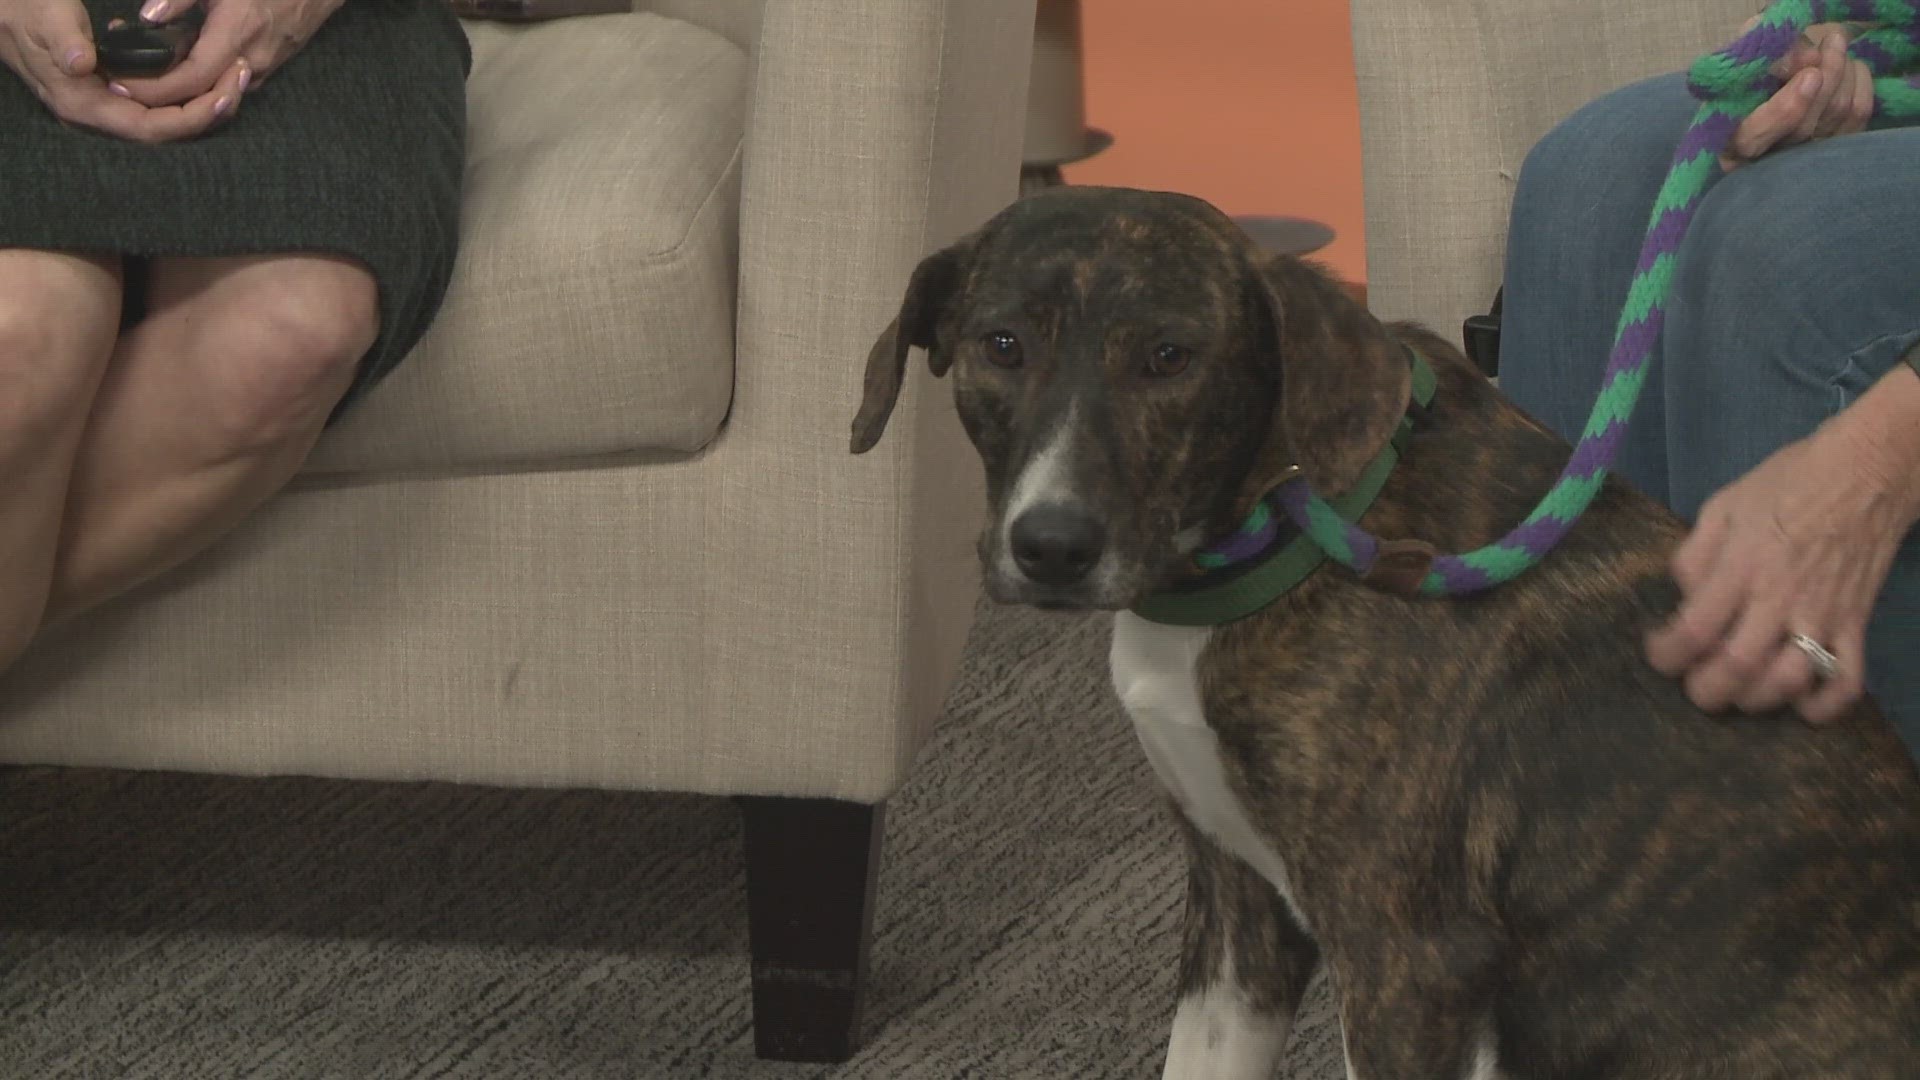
[1453, 93]
[603, 528]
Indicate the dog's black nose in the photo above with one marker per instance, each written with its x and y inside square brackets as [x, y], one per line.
[1056, 543]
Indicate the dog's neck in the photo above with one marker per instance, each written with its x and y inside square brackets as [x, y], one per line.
[1267, 557]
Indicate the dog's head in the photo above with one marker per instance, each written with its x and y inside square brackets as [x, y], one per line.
[1134, 377]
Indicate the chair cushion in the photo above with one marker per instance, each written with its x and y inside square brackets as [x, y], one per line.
[592, 307]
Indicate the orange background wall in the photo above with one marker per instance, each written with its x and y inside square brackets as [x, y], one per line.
[1249, 104]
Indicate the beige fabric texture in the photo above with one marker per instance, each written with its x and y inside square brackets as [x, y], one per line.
[736, 20]
[591, 309]
[1453, 93]
[768, 615]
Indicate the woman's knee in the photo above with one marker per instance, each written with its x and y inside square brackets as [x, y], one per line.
[58, 322]
[1603, 154]
[278, 356]
[1579, 210]
[1791, 294]
[1805, 258]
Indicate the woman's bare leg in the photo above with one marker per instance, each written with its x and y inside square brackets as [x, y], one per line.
[59, 316]
[210, 405]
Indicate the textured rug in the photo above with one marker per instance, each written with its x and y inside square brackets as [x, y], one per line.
[167, 927]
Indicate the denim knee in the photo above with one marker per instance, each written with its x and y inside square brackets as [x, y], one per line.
[1616, 144]
[1803, 260]
[1783, 309]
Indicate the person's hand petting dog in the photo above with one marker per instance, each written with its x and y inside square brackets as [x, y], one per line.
[49, 45]
[1800, 545]
[243, 39]
[1827, 93]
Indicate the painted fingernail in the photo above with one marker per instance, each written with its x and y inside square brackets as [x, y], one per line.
[220, 107]
[119, 89]
[246, 75]
[154, 10]
[74, 56]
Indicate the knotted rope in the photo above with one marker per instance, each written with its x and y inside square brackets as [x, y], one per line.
[1730, 84]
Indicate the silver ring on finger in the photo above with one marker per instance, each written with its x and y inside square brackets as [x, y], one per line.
[1825, 664]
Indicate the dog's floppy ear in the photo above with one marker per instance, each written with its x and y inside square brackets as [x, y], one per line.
[1343, 380]
[933, 283]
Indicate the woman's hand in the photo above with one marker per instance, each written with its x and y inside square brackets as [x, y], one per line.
[49, 44]
[255, 36]
[1827, 93]
[1800, 545]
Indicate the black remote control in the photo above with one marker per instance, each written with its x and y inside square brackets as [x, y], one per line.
[136, 50]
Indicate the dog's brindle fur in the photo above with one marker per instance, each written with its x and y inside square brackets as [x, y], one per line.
[1520, 851]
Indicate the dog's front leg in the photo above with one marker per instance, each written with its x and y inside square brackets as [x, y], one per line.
[1244, 965]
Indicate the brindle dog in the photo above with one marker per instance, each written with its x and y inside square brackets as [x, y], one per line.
[1520, 851]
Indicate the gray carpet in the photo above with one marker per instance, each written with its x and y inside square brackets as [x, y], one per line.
[166, 927]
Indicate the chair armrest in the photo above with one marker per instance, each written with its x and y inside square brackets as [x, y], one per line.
[878, 131]
[1453, 93]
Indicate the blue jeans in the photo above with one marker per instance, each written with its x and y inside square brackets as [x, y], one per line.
[1797, 287]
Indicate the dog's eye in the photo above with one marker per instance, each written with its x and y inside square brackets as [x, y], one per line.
[1003, 349]
[1168, 360]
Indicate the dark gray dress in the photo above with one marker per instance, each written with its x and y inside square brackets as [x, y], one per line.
[354, 147]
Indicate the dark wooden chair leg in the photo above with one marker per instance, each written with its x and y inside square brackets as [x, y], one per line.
[812, 865]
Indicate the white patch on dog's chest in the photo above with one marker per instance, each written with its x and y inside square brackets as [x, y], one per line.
[1155, 674]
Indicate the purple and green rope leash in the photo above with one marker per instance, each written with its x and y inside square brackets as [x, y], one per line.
[1730, 84]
